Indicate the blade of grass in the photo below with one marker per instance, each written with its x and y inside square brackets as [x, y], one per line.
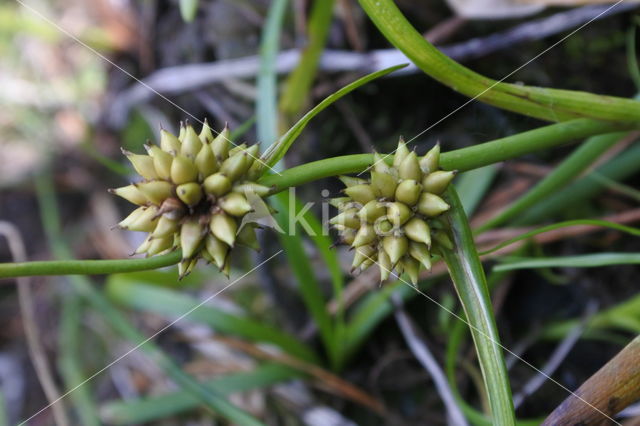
[571, 167]
[624, 316]
[470, 283]
[472, 186]
[280, 148]
[621, 167]
[566, 224]
[298, 84]
[4, 414]
[616, 186]
[170, 404]
[266, 101]
[324, 244]
[308, 285]
[51, 224]
[371, 311]
[581, 261]
[70, 366]
[632, 56]
[170, 304]
[543, 103]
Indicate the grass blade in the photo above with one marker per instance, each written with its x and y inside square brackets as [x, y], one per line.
[266, 103]
[581, 261]
[159, 407]
[69, 362]
[581, 158]
[170, 304]
[623, 316]
[299, 82]
[621, 167]
[473, 185]
[565, 224]
[308, 284]
[470, 283]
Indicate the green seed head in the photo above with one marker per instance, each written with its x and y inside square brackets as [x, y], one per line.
[390, 217]
[193, 195]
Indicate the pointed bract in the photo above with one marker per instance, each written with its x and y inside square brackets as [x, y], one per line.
[131, 194]
[191, 234]
[431, 160]
[169, 143]
[224, 227]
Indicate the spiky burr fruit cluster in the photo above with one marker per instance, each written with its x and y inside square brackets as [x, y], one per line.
[390, 218]
[194, 194]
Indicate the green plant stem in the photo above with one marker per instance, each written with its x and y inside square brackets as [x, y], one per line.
[463, 159]
[542, 103]
[86, 267]
[470, 283]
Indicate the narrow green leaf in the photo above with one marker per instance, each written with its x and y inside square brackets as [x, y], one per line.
[621, 167]
[159, 407]
[374, 308]
[581, 261]
[324, 244]
[623, 316]
[470, 283]
[69, 360]
[566, 224]
[472, 186]
[579, 160]
[134, 294]
[279, 149]
[266, 101]
[298, 85]
[308, 285]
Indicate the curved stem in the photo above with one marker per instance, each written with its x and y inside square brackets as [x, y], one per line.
[86, 267]
[463, 159]
[543, 103]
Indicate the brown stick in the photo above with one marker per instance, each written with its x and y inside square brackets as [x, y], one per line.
[611, 389]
